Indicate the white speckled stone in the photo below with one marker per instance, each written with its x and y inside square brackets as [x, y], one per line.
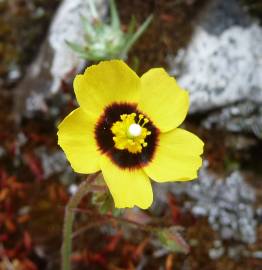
[228, 202]
[220, 70]
[55, 61]
[222, 64]
[67, 25]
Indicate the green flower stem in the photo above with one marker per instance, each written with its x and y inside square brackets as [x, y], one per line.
[66, 250]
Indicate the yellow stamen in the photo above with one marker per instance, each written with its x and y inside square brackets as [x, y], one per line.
[130, 135]
[145, 121]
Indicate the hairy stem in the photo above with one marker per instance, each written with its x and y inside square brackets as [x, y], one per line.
[66, 250]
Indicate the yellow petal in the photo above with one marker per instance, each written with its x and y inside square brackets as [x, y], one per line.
[129, 188]
[76, 137]
[162, 99]
[177, 157]
[105, 83]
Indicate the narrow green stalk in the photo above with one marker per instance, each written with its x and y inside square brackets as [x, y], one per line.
[136, 36]
[115, 23]
[67, 242]
[93, 9]
[66, 249]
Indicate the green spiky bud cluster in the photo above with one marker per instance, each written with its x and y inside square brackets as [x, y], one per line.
[107, 41]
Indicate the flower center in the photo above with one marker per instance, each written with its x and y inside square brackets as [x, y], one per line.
[134, 130]
[130, 134]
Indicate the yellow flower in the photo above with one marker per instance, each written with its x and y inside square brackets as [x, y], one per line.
[127, 127]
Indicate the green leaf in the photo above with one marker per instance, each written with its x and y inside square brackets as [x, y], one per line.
[107, 204]
[172, 240]
[83, 52]
[131, 41]
[88, 28]
[115, 22]
[131, 26]
[76, 47]
[117, 212]
[92, 9]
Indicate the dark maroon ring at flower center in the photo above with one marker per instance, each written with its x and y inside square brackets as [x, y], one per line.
[104, 138]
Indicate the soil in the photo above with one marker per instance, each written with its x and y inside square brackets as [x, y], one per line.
[170, 30]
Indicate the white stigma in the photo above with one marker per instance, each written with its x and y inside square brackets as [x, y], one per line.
[134, 130]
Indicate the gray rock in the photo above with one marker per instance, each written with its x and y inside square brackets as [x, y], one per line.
[222, 67]
[2, 151]
[228, 203]
[216, 253]
[67, 25]
[220, 15]
[245, 116]
[56, 61]
[52, 163]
